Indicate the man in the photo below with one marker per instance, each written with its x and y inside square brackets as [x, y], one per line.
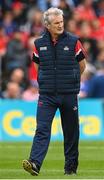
[60, 61]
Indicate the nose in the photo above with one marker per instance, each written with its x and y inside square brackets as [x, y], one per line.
[61, 24]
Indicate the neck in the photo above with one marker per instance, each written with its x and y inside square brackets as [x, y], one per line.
[54, 37]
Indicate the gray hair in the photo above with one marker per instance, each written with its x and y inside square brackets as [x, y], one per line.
[49, 12]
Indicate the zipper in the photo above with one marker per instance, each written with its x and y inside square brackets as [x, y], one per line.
[55, 68]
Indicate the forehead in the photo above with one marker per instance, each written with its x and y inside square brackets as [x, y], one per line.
[56, 18]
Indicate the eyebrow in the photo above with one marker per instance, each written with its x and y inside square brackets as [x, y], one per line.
[57, 22]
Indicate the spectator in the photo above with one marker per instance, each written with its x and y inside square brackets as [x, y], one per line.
[85, 80]
[8, 23]
[96, 86]
[31, 93]
[88, 42]
[76, 2]
[90, 48]
[100, 58]
[32, 70]
[18, 10]
[6, 5]
[97, 30]
[35, 21]
[55, 3]
[17, 55]
[65, 7]
[1, 14]
[85, 11]
[3, 41]
[100, 8]
[44, 4]
[100, 45]
[85, 29]
[18, 76]
[13, 91]
[71, 26]
[99, 51]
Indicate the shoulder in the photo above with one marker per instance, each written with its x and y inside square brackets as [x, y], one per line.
[72, 36]
[38, 40]
[41, 39]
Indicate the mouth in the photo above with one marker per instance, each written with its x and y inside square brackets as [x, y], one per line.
[60, 29]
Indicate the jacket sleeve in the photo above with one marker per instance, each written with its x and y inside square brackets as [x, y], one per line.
[35, 57]
[79, 51]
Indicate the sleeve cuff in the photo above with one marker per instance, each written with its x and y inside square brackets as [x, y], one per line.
[35, 59]
[80, 56]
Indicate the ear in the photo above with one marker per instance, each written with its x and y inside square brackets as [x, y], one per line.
[48, 26]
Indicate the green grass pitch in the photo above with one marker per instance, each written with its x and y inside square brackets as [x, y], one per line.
[91, 161]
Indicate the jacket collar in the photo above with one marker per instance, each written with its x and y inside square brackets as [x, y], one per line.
[48, 35]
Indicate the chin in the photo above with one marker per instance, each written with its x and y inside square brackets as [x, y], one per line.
[60, 32]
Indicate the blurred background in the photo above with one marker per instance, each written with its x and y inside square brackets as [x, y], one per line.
[20, 25]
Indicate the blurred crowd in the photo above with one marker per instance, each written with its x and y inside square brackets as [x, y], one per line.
[21, 24]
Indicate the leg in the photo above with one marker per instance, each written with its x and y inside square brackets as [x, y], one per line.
[45, 114]
[70, 126]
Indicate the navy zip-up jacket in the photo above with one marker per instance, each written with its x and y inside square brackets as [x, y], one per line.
[59, 70]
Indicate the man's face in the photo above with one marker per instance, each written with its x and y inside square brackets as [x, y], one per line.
[56, 26]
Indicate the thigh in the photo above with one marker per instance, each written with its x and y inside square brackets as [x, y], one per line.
[46, 110]
[69, 114]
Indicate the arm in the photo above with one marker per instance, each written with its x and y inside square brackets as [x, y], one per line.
[80, 56]
[35, 59]
[82, 65]
[36, 67]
